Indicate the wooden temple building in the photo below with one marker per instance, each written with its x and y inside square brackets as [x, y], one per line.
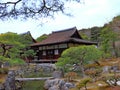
[50, 49]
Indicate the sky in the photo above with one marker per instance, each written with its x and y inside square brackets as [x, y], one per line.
[87, 14]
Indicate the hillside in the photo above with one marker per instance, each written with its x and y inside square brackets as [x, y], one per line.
[109, 34]
[94, 32]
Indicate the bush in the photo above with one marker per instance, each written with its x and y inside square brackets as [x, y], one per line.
[17, 61]
[4, 59]
[94, 73]
[13, 61]
[83, 83]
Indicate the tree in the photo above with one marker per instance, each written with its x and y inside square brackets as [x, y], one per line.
[81, 56]
[28, 53]
[43, 37]
[31, 8]
[12, 45]
[9, 44]
[95, 33]
[84, 36]
[107, 40]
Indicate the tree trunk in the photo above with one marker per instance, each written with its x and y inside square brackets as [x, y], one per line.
[4, 50]
[114, 49]
[85, 87]
[82, 68]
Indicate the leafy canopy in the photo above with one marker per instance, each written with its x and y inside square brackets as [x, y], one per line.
[43, 37]
[79, 55]
[107, 37]
[12, 45]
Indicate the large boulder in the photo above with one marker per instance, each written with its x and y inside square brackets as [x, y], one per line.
[55, 87]
[2, 87]
[10, 81]
[47, 68]
[57, 84]
[57, 74]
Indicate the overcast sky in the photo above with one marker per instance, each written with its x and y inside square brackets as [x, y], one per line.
[86, 14]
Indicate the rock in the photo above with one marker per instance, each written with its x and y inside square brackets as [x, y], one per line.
[6, 64]
[2, 87]
[57, 74]
[64, 88]
[58, 84]
[61, 83]
[50, 83]
[47, 68]
[69, 85]
[55, 87]
[10, 81]
[106, 69]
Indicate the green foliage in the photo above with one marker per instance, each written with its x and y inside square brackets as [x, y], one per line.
[43, 37]
[28, 53]
[75, 55]
[17, 61]
[26, 39]
[80, 56]
[13, 40]
[84, 36]
[9, 38]
[83, 83]
[95, 34]
[4, 59]
[13, 61]
[108, 37]
[18, 43]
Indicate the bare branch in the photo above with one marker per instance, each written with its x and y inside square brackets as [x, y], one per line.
[31, 8]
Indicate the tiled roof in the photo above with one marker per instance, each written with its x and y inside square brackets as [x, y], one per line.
[82, 41]
[62, 36]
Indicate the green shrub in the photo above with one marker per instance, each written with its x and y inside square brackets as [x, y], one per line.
[83, 83]
[17, 61]
[4, 59]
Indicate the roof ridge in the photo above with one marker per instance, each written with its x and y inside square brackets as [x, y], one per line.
[68, 29]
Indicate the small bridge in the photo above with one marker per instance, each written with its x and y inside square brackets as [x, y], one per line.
[33, 79]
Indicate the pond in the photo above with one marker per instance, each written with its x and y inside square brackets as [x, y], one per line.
[33, 85]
